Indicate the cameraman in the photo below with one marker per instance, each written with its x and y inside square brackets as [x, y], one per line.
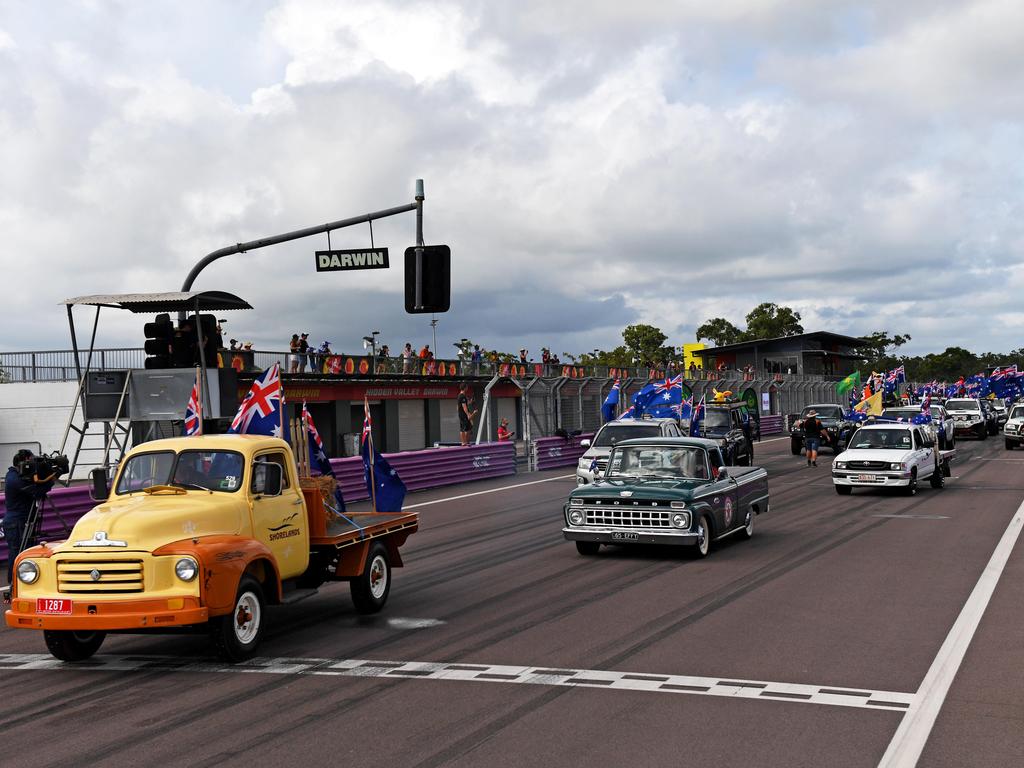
[21, 491]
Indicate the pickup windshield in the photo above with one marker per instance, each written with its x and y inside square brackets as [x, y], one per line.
[610, 435]
[962, 405]
[898, 439]
[1017, 412]
[203, 470]
[657, 461]
[824, 412]
[717, 419]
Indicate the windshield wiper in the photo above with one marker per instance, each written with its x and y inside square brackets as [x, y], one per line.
[193, 485]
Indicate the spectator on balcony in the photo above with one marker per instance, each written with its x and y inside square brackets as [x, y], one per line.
[407, 356]
[322, 354]
[425, 352]
[430, 364]
[693, 370]
[522, 356]
[475, 359]
[303, 352]
[293, 356]
[234, 344]
[383, 358]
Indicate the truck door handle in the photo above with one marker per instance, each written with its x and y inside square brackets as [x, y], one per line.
[297, 501]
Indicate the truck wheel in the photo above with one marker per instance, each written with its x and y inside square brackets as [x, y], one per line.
[68, 645]
[370, 590]
[588, 547]
[796, 445]
[911, 489]
[844, 490]
[703, 546]
[237, 635]
[938, 480]
[747, 531]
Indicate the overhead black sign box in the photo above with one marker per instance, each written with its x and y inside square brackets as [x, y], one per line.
[358, 258]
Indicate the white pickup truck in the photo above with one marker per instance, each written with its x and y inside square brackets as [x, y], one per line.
[890, 456]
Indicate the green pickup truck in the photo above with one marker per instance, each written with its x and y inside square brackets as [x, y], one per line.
[674, 491]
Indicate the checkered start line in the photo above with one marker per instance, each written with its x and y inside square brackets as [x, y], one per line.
[483, 673]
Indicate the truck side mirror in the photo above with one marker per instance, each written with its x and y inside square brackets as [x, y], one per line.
[585, 442]
[723, 474]
[268, 479]
[100, 488]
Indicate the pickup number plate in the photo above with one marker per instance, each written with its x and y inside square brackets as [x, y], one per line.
[53, 607]
[626, 536]
[866, 478]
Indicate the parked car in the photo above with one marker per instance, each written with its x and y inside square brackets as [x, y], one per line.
[890, 455]
[613, 432]
[1013, 430]
[726, 423]
[940, 428]
[969, 417]
[832, 419]
[999, 406]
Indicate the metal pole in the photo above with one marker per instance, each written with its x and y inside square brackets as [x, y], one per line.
[486, 411]
[419, 248]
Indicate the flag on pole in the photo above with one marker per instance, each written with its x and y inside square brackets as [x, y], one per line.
[194, 410]
[850, 382]
[386, 489]
[608, 407]
[318, 456]
[871, 405]
[260, 411]
[696, 417]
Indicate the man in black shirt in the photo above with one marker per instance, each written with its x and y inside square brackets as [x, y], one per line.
[19, 495]
[814, 433]
[465, 415]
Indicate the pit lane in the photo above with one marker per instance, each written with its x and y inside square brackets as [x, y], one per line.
[834, 593]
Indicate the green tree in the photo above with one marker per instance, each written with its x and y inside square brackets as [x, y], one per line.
[877, 347]
[769, 321]
[719, 331]
[644, 342]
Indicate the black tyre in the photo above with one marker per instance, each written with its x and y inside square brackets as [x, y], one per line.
[703, 545]
[747, 531]
[938, 480]
[588, 548]
[68, 645]
[911, 489]
[370, 590]
[796, 445]
[238, 635]
[1009, 445]
[844, 490]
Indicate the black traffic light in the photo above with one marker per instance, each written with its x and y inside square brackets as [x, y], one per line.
[159, 338]
[435, 279]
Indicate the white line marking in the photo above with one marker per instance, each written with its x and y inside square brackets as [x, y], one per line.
[487, 673]
[492, 490]
[771, 440]
[909, 740]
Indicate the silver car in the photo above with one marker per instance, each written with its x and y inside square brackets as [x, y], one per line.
[596, 456]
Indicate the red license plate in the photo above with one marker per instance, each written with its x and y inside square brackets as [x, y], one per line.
[53, 607]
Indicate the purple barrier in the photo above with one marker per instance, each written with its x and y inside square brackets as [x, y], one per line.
[552, 452]
[432, 467]
[771, 425]
[71, 502]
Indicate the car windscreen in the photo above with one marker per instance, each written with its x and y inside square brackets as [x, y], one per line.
[901, 413]
[657, 462]
[202, 470]
[717, 420]
[1017, 412]
[936, 412]
[824, 412]
[610, 435]
[897, 439]
[962, 405]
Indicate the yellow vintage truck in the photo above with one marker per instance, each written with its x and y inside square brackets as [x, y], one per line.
[203, 533]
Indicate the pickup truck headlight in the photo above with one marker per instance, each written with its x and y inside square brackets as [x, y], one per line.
[585, 463]
[575, 502]
[28, 572]
[576, 517]
[186, 569]
[680, 519]
[678, 505]
[898, 465]
[839, 464]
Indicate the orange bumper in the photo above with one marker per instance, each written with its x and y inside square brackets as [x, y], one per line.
[110, 615]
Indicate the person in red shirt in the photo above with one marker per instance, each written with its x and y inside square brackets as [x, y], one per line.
[503, 431]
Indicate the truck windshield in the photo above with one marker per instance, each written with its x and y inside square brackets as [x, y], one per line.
[657, 461]
[881, 438]
[1017, 412]
[610, 435]
[717, 419]
[204, 470]
[824, 412]
[962, 405]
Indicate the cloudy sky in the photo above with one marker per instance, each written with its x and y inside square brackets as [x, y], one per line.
[590, 163]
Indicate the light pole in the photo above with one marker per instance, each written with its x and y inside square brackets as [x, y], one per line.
[371, 341]
[433, 327]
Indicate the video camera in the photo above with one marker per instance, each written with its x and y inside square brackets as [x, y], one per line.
[43, 466]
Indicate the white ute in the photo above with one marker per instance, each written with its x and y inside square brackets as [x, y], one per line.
[890, 456]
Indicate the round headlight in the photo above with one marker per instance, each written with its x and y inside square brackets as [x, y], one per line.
[680, 520]
[576, 516]
[28, 572]
[186, 569]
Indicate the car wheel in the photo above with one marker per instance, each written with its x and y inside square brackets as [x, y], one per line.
[1009, 445]
[747, 531]
[844, 490]
[796, 445]
[703, 546]
[588, 547]
[68, 645]
[237, 635]
[911, 489]
[371, 588]
[938, 480]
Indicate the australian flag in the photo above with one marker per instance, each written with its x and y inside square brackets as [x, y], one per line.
[260, 411]
[194, 411]
[318, 456]
[657, 399]
[894, 378]
[696, 417]
[608, 408]
[385, 487]
[629, 413]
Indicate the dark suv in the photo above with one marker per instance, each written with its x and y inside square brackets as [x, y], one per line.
[832, 419]
[729, 425]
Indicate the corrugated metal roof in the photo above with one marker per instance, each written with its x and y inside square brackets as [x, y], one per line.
[149, 303]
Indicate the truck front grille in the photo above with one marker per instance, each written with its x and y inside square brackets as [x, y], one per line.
[99, 577]
[867, 465]
[628, 518]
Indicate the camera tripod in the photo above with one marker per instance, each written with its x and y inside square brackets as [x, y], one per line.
[34, 521]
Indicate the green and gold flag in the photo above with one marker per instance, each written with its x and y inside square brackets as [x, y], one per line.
[851, 381]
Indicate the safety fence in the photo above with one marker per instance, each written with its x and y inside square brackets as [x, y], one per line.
[771, 425]
[419, 470]
[552, 452]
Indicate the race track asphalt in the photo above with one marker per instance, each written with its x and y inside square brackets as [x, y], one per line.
[801, 647]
